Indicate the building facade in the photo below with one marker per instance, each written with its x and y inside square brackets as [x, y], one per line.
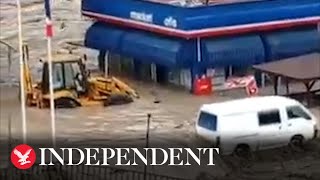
[174, 43]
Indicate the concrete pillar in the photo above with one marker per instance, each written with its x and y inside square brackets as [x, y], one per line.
[106, 66]
[154, 72]
[263, 80]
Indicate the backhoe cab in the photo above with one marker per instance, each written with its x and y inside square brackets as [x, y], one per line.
[73, 85]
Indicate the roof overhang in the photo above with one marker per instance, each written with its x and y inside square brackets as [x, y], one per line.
[207, 32]
[301, 68]
[205, 21]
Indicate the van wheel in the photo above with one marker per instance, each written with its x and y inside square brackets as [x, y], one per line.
[297, 141]
[242, 150]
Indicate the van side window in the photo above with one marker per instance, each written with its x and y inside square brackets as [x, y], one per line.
[297, 112]
[269, 117]
[208, 121]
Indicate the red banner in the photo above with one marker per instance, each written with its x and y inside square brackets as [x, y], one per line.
[49, 30]
[247, 82]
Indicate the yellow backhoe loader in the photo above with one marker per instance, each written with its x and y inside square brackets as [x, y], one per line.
[73, 85]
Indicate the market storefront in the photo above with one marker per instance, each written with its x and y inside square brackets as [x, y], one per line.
[164, 43]
[219, 58]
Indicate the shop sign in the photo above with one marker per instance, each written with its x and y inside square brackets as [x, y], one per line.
[141, 16]
[170, 22]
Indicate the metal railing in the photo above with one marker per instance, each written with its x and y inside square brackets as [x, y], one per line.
[81, 172]
[10, 51]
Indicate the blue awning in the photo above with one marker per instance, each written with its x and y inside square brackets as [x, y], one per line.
[233, 51]
[158, 49]
[143, 46]
[102, 37]
[286, 44]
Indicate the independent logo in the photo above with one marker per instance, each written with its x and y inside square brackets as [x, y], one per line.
[23, 156]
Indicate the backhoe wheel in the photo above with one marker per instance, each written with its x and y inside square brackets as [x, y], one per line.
[28, 99]
[39, 104]
[118, 99]
[66, 103]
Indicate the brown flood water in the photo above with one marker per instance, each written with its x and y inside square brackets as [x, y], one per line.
[172, 123]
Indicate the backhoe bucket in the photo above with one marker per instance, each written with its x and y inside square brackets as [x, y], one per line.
[124, 87]
[118, 99]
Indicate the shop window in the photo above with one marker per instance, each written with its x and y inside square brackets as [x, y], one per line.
[126, 66]
[218, 76]
[145, 72]
[185, 77]
[174, 77]
[162, 74]
[114, 64]
[241, 71]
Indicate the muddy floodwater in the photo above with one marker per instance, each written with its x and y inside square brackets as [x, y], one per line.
[172, 120]
[172, 123]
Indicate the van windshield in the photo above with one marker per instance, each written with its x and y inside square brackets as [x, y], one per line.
[208, 121]
[297, 112]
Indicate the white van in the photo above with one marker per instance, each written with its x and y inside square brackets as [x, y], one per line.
[255, 123]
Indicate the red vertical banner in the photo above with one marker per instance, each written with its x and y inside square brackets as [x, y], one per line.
[49, 29]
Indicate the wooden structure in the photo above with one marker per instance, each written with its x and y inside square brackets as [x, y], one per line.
[305, 69]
